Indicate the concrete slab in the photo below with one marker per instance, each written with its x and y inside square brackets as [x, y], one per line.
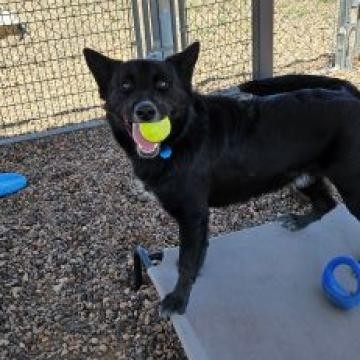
[259, 294]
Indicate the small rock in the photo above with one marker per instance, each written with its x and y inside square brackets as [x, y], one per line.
[15, 291]
[106, 301]
[44, 338]
[61, 282]
[4, 342]
[103, 348]
[147, 304]
[109, 313]
[94, 341]
[123, 305]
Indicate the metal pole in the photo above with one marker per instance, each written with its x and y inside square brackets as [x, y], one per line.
[161, 29]
[345, 46]
[357, 38]
[166, 27]
[138, 37]
[147, 32]
[174, 25]
[341, 36]
[262, 32]
[183, 24]
[155, 31]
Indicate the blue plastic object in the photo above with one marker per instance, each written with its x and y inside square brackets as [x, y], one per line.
[11, 183]
[165, 152]
[335, 292]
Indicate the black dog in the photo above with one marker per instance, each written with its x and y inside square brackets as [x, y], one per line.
[225, 151]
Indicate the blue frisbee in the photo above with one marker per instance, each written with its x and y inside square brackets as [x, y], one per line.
[11, 183]
[333, 289]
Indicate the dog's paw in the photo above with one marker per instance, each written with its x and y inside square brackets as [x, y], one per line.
[291, 222]
[172, 304]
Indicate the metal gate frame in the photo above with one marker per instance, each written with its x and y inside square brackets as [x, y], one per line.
[160, 27]
[166, 32]
[346, 49]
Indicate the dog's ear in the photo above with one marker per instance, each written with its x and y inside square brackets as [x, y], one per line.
[185, 61]
[102, 69]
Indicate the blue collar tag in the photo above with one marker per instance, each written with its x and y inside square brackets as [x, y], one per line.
[165, 152]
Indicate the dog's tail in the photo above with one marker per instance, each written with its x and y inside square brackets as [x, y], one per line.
[287, 83]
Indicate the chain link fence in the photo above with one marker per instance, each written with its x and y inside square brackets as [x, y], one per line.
[305, 34]
[224, 30]
[44, 80]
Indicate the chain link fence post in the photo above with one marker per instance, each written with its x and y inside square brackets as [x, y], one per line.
[183, 24]
[347, 37]
[262, 31]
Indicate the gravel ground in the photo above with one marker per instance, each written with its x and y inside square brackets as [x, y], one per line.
[65, 252]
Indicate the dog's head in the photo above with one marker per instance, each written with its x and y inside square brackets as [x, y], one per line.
[140, 91]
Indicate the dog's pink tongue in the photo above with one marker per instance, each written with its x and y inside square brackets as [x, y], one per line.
[144, 145]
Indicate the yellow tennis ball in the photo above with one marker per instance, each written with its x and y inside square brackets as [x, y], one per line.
[156, 131]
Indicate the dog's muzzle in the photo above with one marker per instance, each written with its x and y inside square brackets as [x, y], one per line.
[144, 111]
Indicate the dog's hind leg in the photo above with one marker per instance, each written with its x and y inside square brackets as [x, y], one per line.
[353, 204]
[316, 190]
[349, 189]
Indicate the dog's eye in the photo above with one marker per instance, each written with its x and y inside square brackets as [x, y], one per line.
[162, 85]
[126, 86]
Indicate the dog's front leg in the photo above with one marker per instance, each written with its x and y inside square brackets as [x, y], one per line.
[193, 231]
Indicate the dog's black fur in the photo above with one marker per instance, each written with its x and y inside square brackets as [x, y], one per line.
[287, 83]
[226, 151]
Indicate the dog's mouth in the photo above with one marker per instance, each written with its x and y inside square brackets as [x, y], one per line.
[144, 147]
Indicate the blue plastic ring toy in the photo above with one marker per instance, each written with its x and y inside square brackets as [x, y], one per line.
[336, 293]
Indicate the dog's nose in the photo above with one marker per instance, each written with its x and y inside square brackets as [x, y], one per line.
[145, 111]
